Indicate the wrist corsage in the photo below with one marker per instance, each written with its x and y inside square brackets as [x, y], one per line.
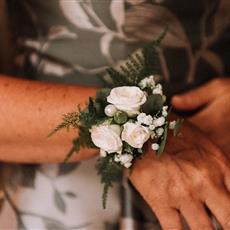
[128, 112]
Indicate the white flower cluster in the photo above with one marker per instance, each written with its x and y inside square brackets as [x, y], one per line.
[149, 82]
[131, 124]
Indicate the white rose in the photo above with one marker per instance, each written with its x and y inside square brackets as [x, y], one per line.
[135, 134]
[107, 137]
[127, 99]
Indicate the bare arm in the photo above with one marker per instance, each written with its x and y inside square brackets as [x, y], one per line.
[29, 111]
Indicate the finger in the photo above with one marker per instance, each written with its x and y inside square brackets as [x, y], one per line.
[218, 201]
[227, 181]
[196, 216]
[197, 97]
[169, 218]
[201, 118]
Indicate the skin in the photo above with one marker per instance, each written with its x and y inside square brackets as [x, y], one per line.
[29, 111]
[193, 172]
[213, 118]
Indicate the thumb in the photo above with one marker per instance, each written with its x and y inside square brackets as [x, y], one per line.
[195, 98]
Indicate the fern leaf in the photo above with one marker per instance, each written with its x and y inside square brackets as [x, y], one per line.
[69, 120]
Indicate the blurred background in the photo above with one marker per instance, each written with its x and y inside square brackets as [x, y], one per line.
[6, 45]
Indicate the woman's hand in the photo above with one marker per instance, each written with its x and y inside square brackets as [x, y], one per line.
[214, 116]
[190, 175]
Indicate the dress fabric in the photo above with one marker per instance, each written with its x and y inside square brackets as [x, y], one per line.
[71, 41]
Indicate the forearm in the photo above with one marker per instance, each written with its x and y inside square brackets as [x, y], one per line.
[29, 111]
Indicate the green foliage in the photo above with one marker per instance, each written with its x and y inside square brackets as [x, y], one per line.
[162, 141]
[69, 120]
[83, 140]
[110, 172]
[120, 117]
[127, 148]
[101, 102]
[153, 104]
[178, 124]
[138, 66]
[101, 96]
[88, 116]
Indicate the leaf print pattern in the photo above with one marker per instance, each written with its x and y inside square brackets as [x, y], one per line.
[117, 9]
[61, 32]
[145, 22]
[59, 201]
[222, 18]
[74, 12]
[213, 60]
[67, 168]
[72, 41]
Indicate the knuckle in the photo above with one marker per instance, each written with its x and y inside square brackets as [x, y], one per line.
[180, 193]
[201, 177]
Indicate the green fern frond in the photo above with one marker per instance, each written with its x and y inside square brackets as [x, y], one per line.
[118, 78]
[82, 141]
[75, 149]
[69, 120]
[139, 65]
[161, 36]
[110, 172]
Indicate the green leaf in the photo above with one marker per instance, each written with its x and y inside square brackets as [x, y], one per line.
[127, 148]
[101, 100]
[161, 36]
[102, 94]
[153, 104]
[59, 201]
[110, 172]
[138, 66]
[75, 149]
[117, 78]
[163, 141]
[88, 116]
[120, 117]
[178, 124]
[69, 120]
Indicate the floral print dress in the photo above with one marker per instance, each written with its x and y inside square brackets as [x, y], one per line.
[71, 41]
